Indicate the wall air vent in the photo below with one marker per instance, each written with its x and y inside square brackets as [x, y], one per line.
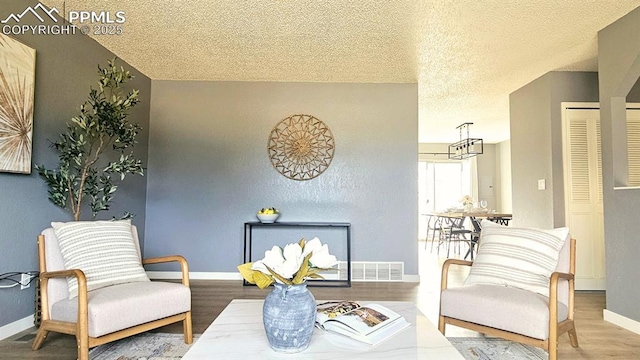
[371, 271]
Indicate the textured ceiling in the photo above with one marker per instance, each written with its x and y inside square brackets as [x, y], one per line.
[465, 55]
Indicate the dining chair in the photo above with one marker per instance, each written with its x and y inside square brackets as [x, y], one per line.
[475, 237]
[443, 229]
[433, 227]
[456, 233]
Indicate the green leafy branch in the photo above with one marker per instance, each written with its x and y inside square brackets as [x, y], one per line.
[101, 127]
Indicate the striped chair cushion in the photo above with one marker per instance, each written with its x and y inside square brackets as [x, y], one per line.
[103, 250]
[517, 257]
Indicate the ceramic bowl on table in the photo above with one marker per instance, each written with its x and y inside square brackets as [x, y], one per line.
[267, 218]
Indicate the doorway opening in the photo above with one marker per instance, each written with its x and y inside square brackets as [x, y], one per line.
[441, 185]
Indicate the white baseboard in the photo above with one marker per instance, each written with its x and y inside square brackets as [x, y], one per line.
[411, 278]
[172, 275]
[591, 284]
[622, 321]
[16, 327]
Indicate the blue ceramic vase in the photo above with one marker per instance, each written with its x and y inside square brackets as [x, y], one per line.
[289, 315]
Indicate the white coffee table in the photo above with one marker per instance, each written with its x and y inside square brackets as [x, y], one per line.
[238, 333]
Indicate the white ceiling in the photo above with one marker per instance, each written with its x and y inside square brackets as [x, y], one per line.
[465, 55]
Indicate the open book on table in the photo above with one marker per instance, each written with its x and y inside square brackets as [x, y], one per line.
[371, 323]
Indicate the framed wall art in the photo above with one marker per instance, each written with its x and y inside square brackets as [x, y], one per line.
[17, 81]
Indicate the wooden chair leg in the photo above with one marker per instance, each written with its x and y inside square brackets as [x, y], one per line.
[83, 347]
[553, 349]
[40, 336]
[573, 336]
[82, 338]
[188, 331]
[441, 324]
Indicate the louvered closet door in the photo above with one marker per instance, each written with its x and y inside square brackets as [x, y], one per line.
[583, 185]
[633, 146]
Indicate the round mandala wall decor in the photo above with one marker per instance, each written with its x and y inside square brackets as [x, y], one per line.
[301, 147]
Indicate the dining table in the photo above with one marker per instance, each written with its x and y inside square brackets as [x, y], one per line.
[457, 219]
[500, 218]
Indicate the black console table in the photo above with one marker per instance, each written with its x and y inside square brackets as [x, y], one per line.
[248, 246]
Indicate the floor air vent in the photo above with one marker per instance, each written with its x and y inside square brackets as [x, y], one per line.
[372, 271]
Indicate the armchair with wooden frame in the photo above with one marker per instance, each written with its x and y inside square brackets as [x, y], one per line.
[515, 314]
[109, 313]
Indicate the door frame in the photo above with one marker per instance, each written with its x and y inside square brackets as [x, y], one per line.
[587, 283]
[584, 284]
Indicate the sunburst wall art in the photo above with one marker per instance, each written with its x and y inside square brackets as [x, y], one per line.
[17, 79]
[301, 147]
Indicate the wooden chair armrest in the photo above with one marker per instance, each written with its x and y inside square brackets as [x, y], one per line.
[64, 273]
[82, 292]
[456, 262]
[184, 266]
[164, 259]
[445, 270]
[559, 275]
[553, 295]
[553, 284]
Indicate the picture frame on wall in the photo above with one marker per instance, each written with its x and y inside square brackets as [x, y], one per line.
[17, 88]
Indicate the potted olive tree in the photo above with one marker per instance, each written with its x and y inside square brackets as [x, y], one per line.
[95, 151]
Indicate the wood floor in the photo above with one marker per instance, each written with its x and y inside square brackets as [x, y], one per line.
[598, 339]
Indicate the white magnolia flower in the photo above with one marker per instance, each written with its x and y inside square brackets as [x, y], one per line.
[271, 259]
[320, 256]
[285, 263]
[259, 266]
[322, 259]
[288, 261]
[292, 261]
[311, 245]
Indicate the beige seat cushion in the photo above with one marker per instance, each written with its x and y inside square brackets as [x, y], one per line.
[502, 307]
[141, 302]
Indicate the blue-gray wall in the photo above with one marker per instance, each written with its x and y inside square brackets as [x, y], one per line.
[209, 171]
[536, 144]
[66, 66]
[619, 70]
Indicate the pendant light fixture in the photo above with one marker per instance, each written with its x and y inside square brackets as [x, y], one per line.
[466, 147]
